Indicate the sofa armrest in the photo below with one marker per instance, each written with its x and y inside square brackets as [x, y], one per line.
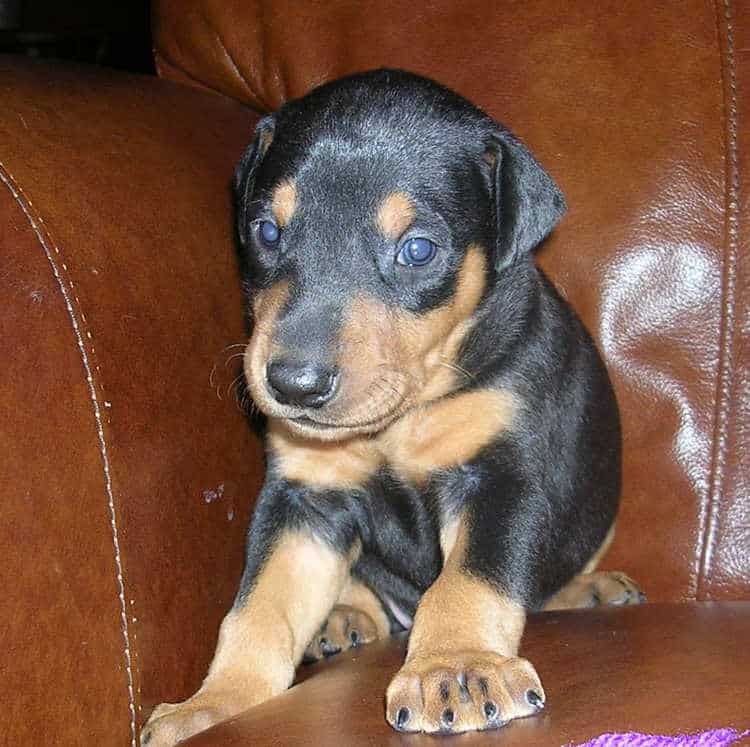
[127, 469]
[656, 668]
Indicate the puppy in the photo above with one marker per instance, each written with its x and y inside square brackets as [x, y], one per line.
[443, 439]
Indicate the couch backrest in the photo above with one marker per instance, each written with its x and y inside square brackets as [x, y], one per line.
[636, 108]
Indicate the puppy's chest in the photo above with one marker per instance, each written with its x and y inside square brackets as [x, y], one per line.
[436, 436]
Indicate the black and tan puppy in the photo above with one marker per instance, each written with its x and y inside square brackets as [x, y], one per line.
[443, 439]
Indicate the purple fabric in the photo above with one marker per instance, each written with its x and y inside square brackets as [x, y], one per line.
[712, 738]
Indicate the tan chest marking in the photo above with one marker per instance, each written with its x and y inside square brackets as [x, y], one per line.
[323, 465]
[435, 436]
[446, 433]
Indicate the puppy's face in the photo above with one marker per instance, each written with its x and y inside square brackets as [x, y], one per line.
[369, 224]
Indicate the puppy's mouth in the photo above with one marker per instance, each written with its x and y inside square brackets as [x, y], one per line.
[384, 400]
[335, 430]
[374, 423]
[364, 404]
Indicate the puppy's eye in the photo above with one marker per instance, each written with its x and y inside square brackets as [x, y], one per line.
[416, 252]
[268, 233]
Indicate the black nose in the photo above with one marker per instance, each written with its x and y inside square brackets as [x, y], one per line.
[303, 384]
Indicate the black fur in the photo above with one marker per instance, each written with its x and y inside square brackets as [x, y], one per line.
[541, 498]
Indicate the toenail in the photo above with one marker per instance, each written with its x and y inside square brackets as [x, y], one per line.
[533, 698]
[402, 717]
[463, 689]
[484, 685]
[490, 710]
[448, 717]
[445, 691]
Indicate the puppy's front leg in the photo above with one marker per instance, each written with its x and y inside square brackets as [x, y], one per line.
[291, 582]
[461, 671]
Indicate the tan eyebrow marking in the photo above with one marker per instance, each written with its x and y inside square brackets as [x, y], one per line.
[284, 202]
[395, 214]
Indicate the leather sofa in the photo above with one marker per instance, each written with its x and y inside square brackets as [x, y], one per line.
[128, 470]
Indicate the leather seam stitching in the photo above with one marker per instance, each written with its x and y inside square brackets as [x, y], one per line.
[729, 281]
[67, 290]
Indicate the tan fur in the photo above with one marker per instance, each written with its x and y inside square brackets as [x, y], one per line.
[430, 437]
[432, 686]
[430, 342]
[266, 307]
[591, 589]
[336, 634]
[356, 594]
[280, 615]
[465, 631]
[448, 432]
[448, 537]
[395, 365]
[261, 642]
[460, 611]
[284, 202]
[390, 360]
[444, 373]
[596, 590]
[322, 465]
[395, 214]
[266, 138]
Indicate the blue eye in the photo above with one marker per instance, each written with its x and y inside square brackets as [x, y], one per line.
[269, 233]
[416, 252]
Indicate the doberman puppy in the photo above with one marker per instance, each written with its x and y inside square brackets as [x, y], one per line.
[443, 440]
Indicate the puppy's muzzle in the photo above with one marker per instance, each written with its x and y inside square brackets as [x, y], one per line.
[305, 384]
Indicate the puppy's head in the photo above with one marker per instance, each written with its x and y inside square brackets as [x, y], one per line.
[375, 214]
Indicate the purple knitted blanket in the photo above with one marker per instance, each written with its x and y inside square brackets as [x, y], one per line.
[712, 738]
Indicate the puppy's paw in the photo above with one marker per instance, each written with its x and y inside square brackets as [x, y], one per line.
[596, 590]
[345, 628]
[170, 723]
[462, 691]
[173, 722]
[614, 587]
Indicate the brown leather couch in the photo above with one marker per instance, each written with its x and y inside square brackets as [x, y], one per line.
[127, 471]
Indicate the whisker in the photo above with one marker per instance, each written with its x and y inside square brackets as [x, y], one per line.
[244, 403]
[234, 383]
[232, 357]
[458, 369]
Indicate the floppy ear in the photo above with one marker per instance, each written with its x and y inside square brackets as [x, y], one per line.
[528, 204]
[244, 174]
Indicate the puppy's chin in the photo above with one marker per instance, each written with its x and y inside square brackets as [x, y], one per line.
[318, 430]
